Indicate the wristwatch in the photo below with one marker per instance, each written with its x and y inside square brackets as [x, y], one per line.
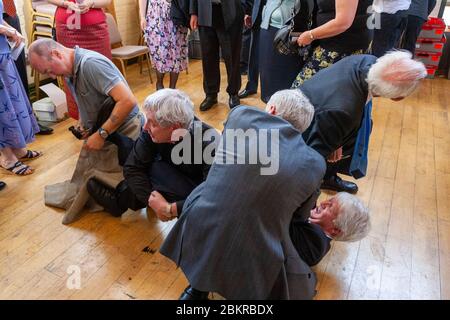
[103, 133]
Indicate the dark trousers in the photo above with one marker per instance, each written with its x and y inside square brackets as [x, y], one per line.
[21, 63]
[277, 71]
[245, 50]
[412, 31]
[388, 36]
[342, 166]
[253, 62]
[165, 178]
[214, 38]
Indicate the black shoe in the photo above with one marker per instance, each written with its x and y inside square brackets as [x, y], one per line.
[335, 183]
[208, 103]
[245, 93]
[44, 130]
[193, 294]
[104, 196]
[2, 185]
[234, 101]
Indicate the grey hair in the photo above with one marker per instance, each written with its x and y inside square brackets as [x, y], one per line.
[171, 107]
[43, 47]
[293, 106]
[353, 219]
[395, 75]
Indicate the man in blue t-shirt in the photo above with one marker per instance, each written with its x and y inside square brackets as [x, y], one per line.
[108, 113]
[92, 78]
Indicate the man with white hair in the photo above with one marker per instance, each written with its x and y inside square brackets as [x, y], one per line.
[293, 106]
[152, 176]
[339, 94]
[341, 218]
[235, 240]
[256, 242]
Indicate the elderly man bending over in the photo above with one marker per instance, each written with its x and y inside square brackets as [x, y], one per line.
[339, 94]
[154, 174]
[244, 231]
[93, 79]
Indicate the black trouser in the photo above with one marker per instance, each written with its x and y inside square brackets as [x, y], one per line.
[245, 50]
[124, 145]
[277, 71]
[21, 63]
[253, 61]
[412, 31]
[165, 178]
[388, 36]
[214, 38]
[342, 166]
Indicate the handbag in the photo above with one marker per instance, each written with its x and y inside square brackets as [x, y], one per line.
[285, 40]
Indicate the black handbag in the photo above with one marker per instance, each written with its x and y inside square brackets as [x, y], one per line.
[285, 40]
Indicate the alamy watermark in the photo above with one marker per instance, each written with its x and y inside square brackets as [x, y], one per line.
[232, 147]
[74, 280]
[374, 20]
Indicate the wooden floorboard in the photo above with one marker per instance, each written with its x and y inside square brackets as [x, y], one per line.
[407, 187]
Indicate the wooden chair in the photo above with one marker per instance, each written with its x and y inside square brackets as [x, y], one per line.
[123, 53]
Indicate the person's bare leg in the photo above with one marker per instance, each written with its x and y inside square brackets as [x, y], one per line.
[23, 154]
[8, 160]
[7, 157]
[19, 152]
[159, 80]
[173, 79]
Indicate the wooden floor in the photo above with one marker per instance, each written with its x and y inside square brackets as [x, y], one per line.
[406, 255]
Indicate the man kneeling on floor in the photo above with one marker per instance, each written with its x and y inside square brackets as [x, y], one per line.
[244, 231]
[153, 174]
[93, 79]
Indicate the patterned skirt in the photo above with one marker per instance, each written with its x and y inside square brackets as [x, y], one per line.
[166, 41]
[17, 122]
[320, 59]
[93, 37]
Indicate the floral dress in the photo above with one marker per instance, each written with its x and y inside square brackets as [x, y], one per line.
[166, 41]
[320, 59]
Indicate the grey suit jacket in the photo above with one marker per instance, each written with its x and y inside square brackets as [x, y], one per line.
[233, 237]
[231, 10]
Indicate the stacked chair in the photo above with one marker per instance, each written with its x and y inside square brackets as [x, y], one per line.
[42, 25]
[122, 53]
[42, 19]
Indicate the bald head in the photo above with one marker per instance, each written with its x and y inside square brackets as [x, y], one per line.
[44, 47]
[49, 57]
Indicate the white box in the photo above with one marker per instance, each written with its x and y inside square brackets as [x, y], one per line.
[53, 108]
[47, 111]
